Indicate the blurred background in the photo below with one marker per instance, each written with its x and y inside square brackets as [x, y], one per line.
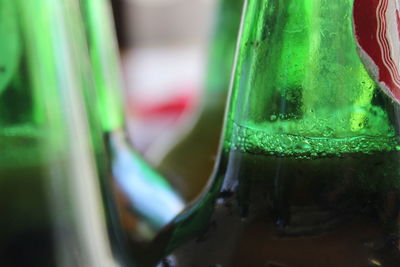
[163, 48]
[176, 57]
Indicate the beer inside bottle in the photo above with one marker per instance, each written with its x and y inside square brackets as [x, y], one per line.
[308, 173]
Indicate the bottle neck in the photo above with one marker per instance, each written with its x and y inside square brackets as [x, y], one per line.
[105, 64]
[300, 89]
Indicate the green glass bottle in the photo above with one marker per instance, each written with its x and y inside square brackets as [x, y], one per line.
[118, 241]
[189, 163]
[139, 199]
[50, 208]
[308, 172]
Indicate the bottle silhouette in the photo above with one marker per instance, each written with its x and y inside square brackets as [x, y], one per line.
[308, 171]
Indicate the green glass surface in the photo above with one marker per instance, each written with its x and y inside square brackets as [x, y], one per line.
[45, 159]
[77, 27]
[317, 96]
[308, 171]
[11, 46]
[25, 213]
[105, 62]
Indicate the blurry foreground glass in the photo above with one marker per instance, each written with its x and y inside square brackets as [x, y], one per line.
[49, 197]
[144, 199]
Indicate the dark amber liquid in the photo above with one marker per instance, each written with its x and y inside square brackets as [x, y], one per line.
[26, 237]
[26, 225]
[339, 211]
[311, 212]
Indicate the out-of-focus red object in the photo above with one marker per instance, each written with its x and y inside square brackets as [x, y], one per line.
[175, 107]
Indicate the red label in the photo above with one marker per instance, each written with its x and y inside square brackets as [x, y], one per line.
[377, 30]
